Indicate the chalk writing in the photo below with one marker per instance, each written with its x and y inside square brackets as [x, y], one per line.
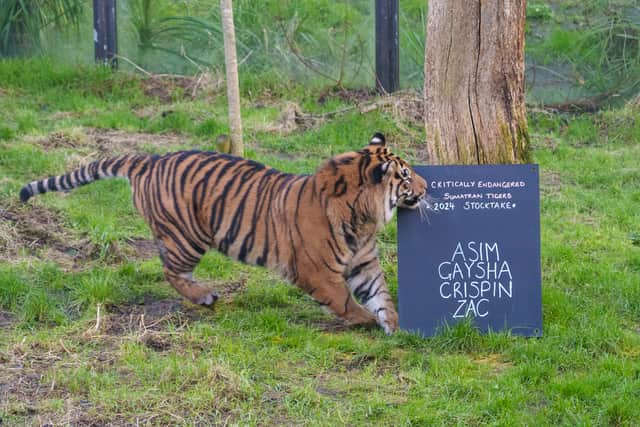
[476, 195]
[449, 196]
[488, 205]
[473, 276]
[443, 206]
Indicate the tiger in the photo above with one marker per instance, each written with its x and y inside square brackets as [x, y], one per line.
[318, 231]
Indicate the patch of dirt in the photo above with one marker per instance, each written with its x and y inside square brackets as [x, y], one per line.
[273, 397]
[157, 324]
[33, 230]
[227, 290]
[150, 316]
[22, 383]
[293, 119]
[329, 324]
[143, 248]
[550, 178]
[153, 315]
[551, 182]
[332, 324]
[64, 115]
[359, 362]
[111, 142]
[7, 319]
[333, 394]
[169, 88]
[28, 378]
[405, 107]
[29, 228]
[25, 387]
[68, 138]
[347, 95]
[148, 111]
[352, 363]
[494, 362]
[156, 342]
[543, 141]
[94, 143]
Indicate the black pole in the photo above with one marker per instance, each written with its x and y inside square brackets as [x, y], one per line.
[105, 35]
[387, 46]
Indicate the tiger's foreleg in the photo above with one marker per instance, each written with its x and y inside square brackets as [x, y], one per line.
[367, 283]
[336, 297]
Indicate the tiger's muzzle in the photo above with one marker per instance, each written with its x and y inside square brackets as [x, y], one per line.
[415, 190]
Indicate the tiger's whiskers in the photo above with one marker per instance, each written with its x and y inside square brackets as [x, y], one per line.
[425, 206]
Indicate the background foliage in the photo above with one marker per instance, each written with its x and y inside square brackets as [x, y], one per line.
[580, 53]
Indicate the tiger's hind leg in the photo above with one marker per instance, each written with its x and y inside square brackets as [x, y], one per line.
[178, 270]
[190, 289]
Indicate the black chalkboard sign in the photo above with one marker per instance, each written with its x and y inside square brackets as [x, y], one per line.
[476, 255]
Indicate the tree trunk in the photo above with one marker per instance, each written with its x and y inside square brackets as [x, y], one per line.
[474, 82]
[231, 66]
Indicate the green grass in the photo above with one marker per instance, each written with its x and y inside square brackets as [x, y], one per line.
[268, 355]
[580, 50]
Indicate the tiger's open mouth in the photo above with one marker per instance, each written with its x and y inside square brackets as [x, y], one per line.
[411, 202]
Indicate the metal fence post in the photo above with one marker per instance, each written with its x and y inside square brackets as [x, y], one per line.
[387, 46]
[105, 35]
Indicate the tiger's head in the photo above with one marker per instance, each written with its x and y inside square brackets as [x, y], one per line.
[374, 180]
[403, 187]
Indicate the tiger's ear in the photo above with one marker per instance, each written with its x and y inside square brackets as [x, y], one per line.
[378, 140]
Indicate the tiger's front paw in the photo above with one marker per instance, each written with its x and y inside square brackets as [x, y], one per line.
[208, 299]
[388, 319]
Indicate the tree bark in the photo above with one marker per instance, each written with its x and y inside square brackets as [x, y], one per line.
[231, 67]
[474, 82]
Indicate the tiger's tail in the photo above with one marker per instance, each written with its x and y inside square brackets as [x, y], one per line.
[113, 167]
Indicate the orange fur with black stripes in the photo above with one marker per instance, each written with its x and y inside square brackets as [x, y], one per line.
[317, 230]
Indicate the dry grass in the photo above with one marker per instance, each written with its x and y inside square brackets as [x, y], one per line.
[406, 108]
[102, 142]
[26, 229]
[35, 232]
[167, 88]
[292, 119]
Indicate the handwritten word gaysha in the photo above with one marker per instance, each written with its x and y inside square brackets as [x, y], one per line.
[474, 275]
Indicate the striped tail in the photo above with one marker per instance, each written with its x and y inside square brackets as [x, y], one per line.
[105, 168]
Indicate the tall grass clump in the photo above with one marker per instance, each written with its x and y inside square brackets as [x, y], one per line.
[23, 21]
[594, 59]
[98, 287]
[412, 45]
[12, 290]
[161, 28]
